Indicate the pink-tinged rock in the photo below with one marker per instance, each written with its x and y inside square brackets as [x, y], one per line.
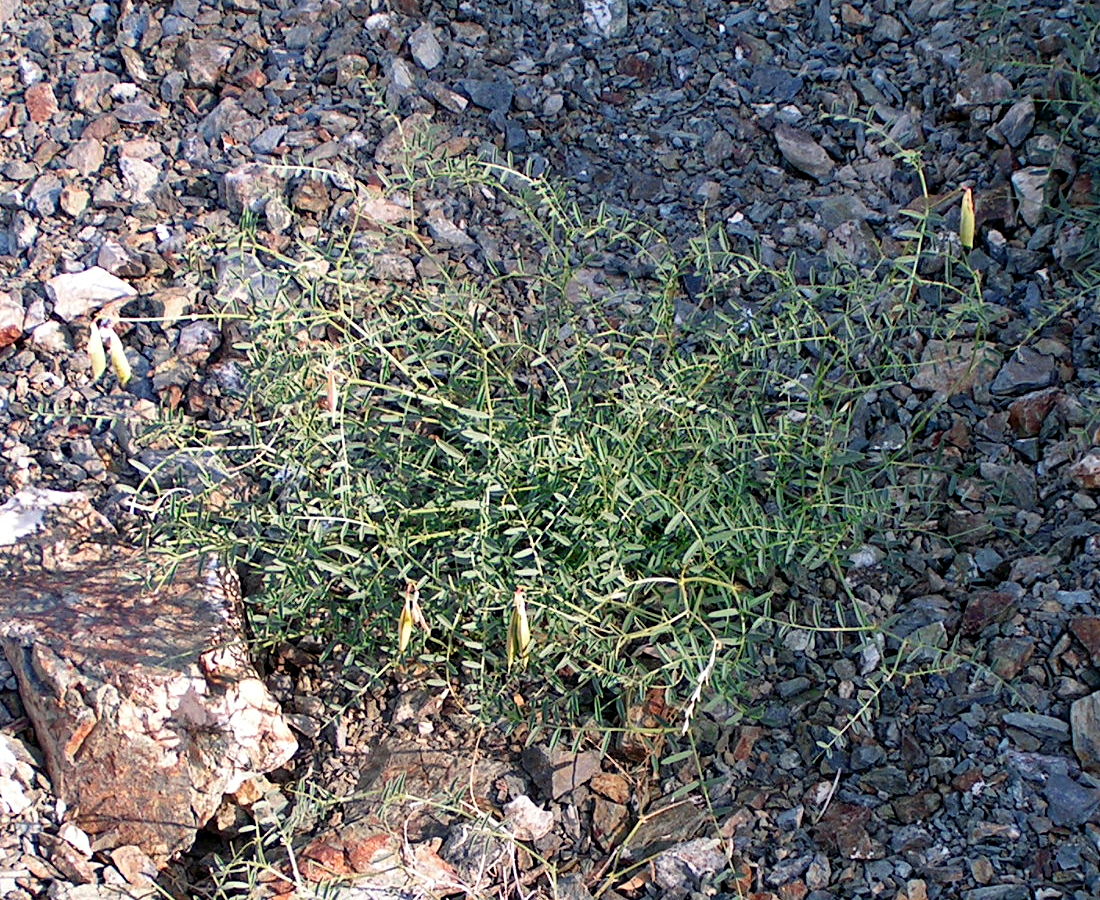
[371, 210]
[1086, 471]
[76, 294]
[250, 186]
[40, 101]
[11, 319]
[955, 367]
[204, 62]
[135, 677]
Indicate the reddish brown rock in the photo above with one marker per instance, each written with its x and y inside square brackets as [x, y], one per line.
[918, 807]
[1087, 630]
[844, 826]
[364, 859]
[1084, 720]
[984, 608]
[137, 682]
[1026, 415]
[40, 101]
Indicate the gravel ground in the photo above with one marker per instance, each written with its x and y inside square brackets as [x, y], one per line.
[130, 132]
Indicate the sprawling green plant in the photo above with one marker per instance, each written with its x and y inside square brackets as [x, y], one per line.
[630, 474]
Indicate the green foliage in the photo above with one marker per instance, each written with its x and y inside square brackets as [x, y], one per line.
[643, 469]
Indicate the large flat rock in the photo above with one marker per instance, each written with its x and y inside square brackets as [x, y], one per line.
[134, 674]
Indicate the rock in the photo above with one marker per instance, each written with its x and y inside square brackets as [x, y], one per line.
[12, 316]
[43, 197]
[136, 867]
[606, 18]
[665, 823]
[837, 210]
[140, 177]
[425, 48]
[572, 887]
[119, 260]
[1026, 415]
[1016, 124]
[803, 152]
[80, 293]
[1026, 370]
[1008, 656]
[393, 267]
[491, 94]
[955, 367]
[40, 102]
[1031, 192]
[198, 340]
[473, 848]
[1069, 804]
[8, 9]
[204, 62]
[917, 807]
[310, 195]
[74, 200]
[17, 776]
[844, 826]
[610, 823]
[1087, 630]
[249, 187]
[1044, 727]
[139, 112]
[401, 143]
[1084, 721]
[367, 862]
[86, 156]
[557, 771]
[141, 695]
[526, 821]
[984, 89]
[1086, 471]
[371, 209]
[447, 234]
[684, 864]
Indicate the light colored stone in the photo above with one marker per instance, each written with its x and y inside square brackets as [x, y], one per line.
[86, 156]
[425, 47]
[1086, 471]
[139, 686]
[803, 152]
[372, 209]
[526, 820]
[12, 316]
[403, 141]
[74, 200]
[79, 293]
[683, 864]
[607, 18]
[250, 187]
[1031, 192]
[140, 177]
